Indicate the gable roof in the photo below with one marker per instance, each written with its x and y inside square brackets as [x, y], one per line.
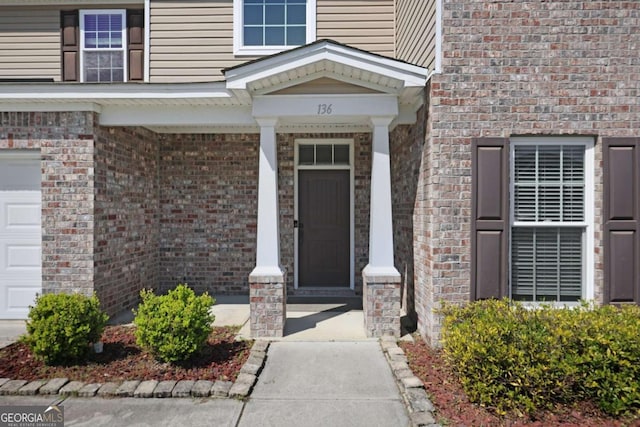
[328, 58]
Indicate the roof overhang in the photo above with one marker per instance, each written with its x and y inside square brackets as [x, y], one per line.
[229, 106]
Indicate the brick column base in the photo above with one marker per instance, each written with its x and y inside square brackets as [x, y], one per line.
[381, 304]
[268, 305]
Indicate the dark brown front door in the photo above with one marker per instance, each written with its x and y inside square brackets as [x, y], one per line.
[323, 227]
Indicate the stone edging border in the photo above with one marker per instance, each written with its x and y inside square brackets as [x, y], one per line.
[411, 387]
[239, 389]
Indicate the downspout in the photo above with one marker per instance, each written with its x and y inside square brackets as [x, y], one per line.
[147, 39]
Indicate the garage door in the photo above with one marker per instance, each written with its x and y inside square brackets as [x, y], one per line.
[20, 233]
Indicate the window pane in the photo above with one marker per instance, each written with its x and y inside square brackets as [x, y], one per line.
[341, 154]
[104, 40]
[305, 154]
[90, 22]
[324, 155]
[20, 174]
[103, 66]
[274, 22]
[274, 36]
[546, 264]
[274, 15]
[296, 14]
[253, 15]
[296, 36]
[253, 36]
[549, 183]
[90, 40]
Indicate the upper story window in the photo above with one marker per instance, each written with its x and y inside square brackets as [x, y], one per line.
[99, 45]
[103, 45]
[263, 27]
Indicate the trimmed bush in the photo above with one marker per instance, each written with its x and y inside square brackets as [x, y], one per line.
[513, 358]
[173, 327]
[61, 327]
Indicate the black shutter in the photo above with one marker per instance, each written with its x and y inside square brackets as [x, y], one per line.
[490, 218]
[70, 45]
[135, 47]
[621, 220]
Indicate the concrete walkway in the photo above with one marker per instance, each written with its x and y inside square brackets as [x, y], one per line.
[325, 384]
[303, 384]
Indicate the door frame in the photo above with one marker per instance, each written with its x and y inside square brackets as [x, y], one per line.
[351, 169]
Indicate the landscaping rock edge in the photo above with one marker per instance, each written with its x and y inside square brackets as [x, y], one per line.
[240, 389]
[411, 387]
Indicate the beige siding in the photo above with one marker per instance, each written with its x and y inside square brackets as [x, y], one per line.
[191, 41]
[29, 43]
[415, 31]
[365, 24]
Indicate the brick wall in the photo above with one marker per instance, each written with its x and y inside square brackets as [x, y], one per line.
[406, 146]
[208, 211]
[519, 68]
[65, 141]
[126, 215]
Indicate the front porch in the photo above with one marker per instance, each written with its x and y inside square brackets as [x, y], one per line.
[199, 183]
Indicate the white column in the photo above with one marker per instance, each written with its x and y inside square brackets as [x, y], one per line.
[268, 238]
[381, 226]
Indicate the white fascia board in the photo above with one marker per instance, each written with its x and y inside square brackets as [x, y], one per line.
[412, 75]
[118, 115]
[87, 91]
[325, 106]
[49, 106]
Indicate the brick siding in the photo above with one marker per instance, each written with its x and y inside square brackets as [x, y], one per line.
[126, 215]
[65, 141]
[208, 211]
[517, 68]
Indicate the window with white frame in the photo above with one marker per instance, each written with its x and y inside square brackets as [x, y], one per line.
[263, 27]
[103, 45]
[552, 217]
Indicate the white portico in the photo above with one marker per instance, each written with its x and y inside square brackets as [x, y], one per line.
[360, 91]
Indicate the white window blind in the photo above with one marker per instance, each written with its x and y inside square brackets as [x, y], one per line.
[547, 236]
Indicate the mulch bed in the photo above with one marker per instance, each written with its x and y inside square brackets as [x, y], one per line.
[122, 359]
[453, 408]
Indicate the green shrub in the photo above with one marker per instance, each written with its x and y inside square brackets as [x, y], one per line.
[61, 327]
[173, 327]
[514, 358]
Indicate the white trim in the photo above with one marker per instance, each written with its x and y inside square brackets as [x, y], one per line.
[438, 53]
[326, 51]
[112, 91]
[351, 168]
[239, 49]
[342, 106]
[147, 40]
[588, 290]
[123, 30]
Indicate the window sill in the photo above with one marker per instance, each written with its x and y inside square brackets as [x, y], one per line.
[261, 50]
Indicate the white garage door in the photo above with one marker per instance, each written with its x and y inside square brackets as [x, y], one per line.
[20, 233]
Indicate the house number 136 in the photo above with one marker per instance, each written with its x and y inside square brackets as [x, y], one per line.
[325, 109]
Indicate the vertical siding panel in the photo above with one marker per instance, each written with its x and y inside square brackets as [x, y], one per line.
[30, 43]
[415, 32]
[621, 220]
[490, 222]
